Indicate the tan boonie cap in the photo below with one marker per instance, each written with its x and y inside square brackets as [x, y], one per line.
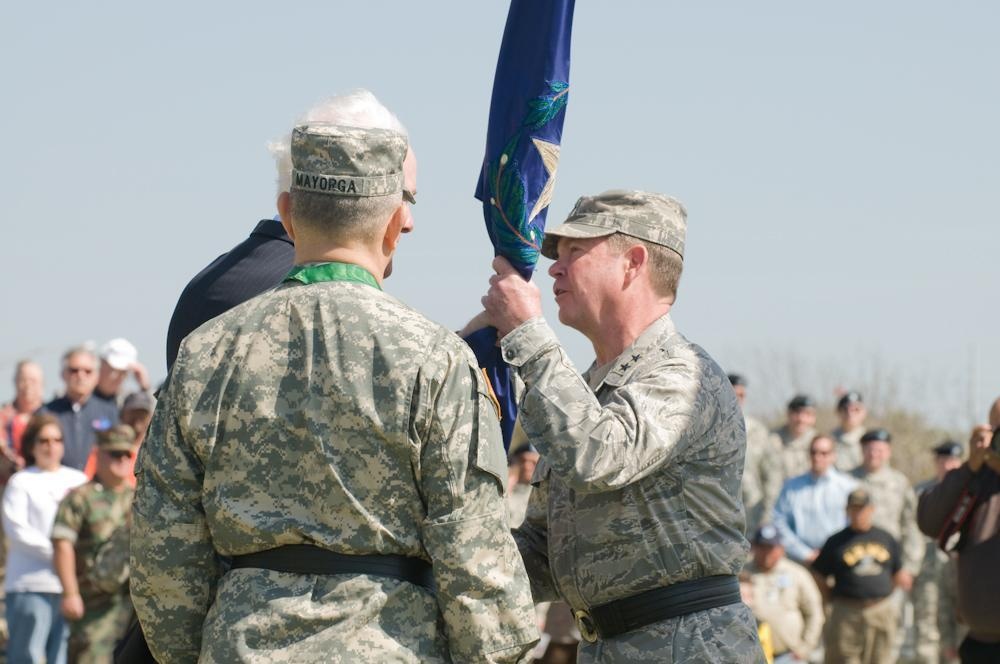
[347, 161]
[118, 438]
[653, 217]
[858, 498]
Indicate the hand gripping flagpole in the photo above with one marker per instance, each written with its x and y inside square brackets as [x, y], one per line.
[527, 109]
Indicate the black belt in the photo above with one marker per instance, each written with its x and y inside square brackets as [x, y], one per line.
[306, 559]
[652, 606]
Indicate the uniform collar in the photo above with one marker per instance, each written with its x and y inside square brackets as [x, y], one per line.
[314, 273]
[617, 373]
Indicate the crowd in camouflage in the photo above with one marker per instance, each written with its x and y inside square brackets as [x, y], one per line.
[936, 629]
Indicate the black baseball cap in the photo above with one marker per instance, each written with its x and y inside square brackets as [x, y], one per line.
[767, 535]
[948, 448]
[881, 435]
[848, 399]
[800, 401]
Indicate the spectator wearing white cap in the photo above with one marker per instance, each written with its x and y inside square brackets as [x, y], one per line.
[119, 358]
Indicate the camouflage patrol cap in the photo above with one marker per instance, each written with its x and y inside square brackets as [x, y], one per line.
[347, 161]
[648, 216]
[119, 438]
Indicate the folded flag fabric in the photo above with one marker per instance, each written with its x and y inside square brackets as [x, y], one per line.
[527, 109]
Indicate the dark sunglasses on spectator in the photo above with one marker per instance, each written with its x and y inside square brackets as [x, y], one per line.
[119, 454]
[76, 370]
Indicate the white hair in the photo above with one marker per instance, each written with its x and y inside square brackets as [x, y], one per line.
[358, 108]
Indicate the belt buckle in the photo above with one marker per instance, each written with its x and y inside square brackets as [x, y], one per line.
[584, 623]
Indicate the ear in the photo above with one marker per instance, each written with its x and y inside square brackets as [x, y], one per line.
[285, 212]
[390, 239]
[636, 260]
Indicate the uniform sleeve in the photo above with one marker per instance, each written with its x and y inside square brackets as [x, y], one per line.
[937, 502]
[784, 521]
[482, 589]
[771, 476]
[532, 538]
[172, 558]
[911, 541]
[69, 518]
[596, 448]
[21, 535]
[897, 554]
[824, 563]
[811, 607]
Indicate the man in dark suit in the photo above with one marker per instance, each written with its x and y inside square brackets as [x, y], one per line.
[248, 269]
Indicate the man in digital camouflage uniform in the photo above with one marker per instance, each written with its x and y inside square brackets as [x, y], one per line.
[762, 474]
[635, 519]
[84, 527]
[796, 434]
[895, 512]
[851, 412]
[934, 620]
[340, 447]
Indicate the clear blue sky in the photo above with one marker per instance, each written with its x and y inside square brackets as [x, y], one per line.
[840, 163]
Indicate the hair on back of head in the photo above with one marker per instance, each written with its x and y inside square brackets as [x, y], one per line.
[349, 218]
[665, 265]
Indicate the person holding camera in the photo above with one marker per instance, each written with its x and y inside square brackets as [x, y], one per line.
[966, 505]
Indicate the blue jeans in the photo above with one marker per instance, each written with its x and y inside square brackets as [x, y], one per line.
[38, 631]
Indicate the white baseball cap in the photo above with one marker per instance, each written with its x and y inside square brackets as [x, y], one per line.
[119, 354]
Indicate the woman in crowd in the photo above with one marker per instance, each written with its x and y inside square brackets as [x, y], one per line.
[37, 629]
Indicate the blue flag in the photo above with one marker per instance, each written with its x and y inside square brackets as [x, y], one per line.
[530, 91]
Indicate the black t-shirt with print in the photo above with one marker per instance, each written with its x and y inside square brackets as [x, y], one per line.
[861, 564]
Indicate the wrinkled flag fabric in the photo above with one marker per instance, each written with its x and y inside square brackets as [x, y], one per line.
[530, 91]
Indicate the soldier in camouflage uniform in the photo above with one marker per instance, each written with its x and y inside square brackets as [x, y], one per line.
[762, 475]
[795, 435]
[895, 512]
[84, 529]
[852, 412]
[893, 497]
[930, 599]
[636, 496]
[326, 417]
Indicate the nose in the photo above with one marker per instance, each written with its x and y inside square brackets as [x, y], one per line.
[556, 269]
[408, 224]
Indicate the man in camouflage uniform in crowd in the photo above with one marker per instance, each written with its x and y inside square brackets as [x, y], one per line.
[84, 532]
[325, 417]
[796, 435]
[932, 605]
[852, 412]
[895, 512]
[637, 493]
[762, 475]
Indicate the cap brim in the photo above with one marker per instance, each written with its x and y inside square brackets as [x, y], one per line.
[574, 229]
[116, 447]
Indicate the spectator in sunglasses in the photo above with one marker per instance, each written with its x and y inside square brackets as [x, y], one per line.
[80, 415]
[37, 629]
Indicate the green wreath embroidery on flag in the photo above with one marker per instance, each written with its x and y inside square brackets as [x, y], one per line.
[516, 237]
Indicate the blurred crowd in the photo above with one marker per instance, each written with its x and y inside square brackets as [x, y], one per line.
[67, 466]
[838, 568]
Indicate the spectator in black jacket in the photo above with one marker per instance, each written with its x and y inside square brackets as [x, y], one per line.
[978, 479]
